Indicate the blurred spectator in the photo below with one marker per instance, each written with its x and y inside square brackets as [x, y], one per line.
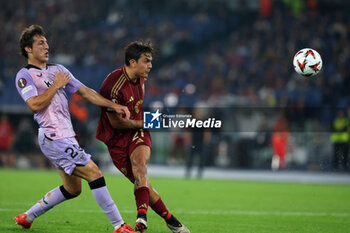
[199, 146]
[239, 55]
[178, 154]
[79, 115]
[266, 8]
[7, 157]
[180, 140]
[340, 139]
[198, 149]
[279, 142]
[25, 145]
[236, 53]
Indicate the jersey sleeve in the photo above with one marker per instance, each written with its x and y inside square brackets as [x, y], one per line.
[106, 91]
[74, 84]
[118, 98]
[25, 85]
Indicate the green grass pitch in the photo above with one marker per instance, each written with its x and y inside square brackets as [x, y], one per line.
[203, 205]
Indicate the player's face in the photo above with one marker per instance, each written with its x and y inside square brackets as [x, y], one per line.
[40, 50]
[144, 65]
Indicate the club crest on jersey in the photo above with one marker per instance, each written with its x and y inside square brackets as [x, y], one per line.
[22, 82]
[138, 105]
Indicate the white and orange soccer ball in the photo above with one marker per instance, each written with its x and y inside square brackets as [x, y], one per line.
[307, 62]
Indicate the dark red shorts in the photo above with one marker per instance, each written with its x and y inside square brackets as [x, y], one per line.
[122, 148]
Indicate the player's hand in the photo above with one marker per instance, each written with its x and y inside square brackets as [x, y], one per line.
[61, 79]
[123, 110]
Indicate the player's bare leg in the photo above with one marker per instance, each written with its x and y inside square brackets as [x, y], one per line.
[146, 195]
[72, 184]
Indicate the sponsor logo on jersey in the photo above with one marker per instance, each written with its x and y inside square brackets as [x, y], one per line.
[25, 90]
[48, 83]
[131, 99]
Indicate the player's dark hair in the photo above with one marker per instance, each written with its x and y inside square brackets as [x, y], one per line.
[135, 49]
[27, 35]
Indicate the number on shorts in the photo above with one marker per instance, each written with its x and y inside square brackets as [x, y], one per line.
[136, 136]
[73, 153]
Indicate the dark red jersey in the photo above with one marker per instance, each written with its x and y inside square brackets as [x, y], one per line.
[118, 88]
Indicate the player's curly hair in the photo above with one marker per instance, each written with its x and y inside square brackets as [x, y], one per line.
[135, 49]
[27, 35]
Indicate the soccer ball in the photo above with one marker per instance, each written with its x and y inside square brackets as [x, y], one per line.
[307, 62]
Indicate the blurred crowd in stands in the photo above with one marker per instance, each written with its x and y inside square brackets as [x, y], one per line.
[222, 53]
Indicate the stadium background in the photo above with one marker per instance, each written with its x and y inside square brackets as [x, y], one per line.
[233, 58]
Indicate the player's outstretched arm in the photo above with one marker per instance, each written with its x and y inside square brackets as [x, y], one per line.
[118, 122]
[97, 99]
[38, 103]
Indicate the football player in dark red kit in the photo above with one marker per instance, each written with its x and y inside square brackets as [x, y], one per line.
[128, 143]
